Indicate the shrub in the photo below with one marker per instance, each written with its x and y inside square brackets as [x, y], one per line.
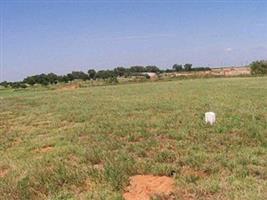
[187, 67]
[112, 80]
[18, 85]
[258, 67]
[4, 84]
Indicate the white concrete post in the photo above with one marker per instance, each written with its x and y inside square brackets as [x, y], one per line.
[210, 118]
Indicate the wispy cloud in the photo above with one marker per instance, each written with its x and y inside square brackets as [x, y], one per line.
[229, 49]
[261, 24]
[148, 36]
[134, 37]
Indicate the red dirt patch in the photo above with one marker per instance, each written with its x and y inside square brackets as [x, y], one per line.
[143, 187]
[3, 172]
[45, 149]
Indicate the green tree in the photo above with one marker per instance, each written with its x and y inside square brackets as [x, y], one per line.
[177, 67]
[187, 67]
[70, 77]
[18, 85]
[52, 78]
[4, 84]
[92, 74]
[79, 75]
[42, 79]
[31, 80]
[105, 74]
[258, 67]
[65, 79]
[152, 68]
[120, 71]
[137, 69]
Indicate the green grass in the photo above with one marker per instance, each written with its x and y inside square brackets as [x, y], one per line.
[85, 143]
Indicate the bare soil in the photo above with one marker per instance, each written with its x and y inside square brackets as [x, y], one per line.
[143, 187]
[45, 149]
[3, 172]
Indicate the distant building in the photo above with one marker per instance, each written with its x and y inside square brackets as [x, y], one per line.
[150, 74]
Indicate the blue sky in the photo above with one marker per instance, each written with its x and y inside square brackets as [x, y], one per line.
[62, 36]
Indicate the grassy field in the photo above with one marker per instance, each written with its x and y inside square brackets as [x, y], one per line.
[85, 143]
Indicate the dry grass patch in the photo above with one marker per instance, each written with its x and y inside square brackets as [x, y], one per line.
[188, 171]
[69, 86]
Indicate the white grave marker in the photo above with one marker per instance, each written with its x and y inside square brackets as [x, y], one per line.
[210, 118]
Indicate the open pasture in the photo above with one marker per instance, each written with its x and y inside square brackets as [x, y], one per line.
[85, 143]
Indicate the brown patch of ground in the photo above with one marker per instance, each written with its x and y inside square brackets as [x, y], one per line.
[16, 142]
[3, 171]
[73, 160]
[69, 86]
[45, 149]
[87, 185]
[143, 187]
[99, 167]
[187, 171]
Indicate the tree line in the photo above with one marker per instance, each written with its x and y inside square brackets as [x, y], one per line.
[92, 74]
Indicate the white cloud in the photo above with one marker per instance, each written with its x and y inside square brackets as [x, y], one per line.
[228, 49]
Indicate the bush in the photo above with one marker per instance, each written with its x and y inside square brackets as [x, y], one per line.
[258, 67]
[18, 85]
[112, 80]
[177, 67]
[4, 84]
[187, 67]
